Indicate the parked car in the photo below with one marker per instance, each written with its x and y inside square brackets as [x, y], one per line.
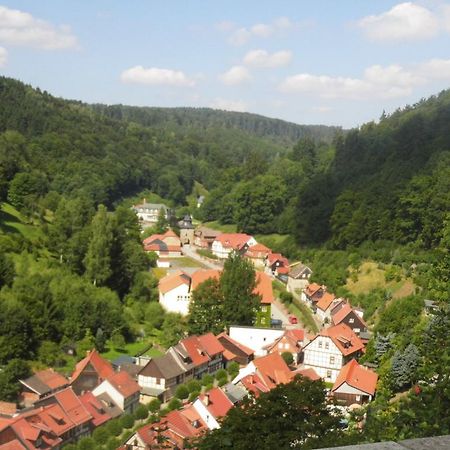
[293, 320]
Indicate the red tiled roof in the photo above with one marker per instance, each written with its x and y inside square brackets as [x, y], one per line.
[296, 333]
[258, 251]
[173, 280]
[124, 384]
[248, 351]
[311, 289]
[12, 445]
[95, 409]
[309, 373]
[340, 315]
[199, 276]
[72, 406]
[103, 367]
[195, 350]
[233, 240]
[264, 287]
[272, 369]
[325, 301]
[357, 377]
[254, 384]
[344, 338]
[274, 257]
[218, 403]
[282, 270]
[211, 344]
[52, 379]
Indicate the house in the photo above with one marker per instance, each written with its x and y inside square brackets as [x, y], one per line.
[291, 341]
[308, 373]
[355, 384]
[277, 265]
[166, 245]
[175, 430]
[271, 371]
[257, 254]
[212, 406]
[298, 277]
[226, 243]
[174, 292]
[255, 338]
[148, 213]
[310, 291]
[330, 350]
[344, 313]
[234, 351]
[96, 408]
[42, 383]
[122, 389]
[264, 289]
[90, 372]
[325, 304]
[204, 237]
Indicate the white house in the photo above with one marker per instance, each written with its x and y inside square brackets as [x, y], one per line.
[330, 350]
[298, 277]
[258, 339]
[174, 292]
[225, 243]
[148, 213]
[211, 406]
[122, 389]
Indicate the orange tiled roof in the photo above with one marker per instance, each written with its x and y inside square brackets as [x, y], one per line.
[257, 251]
[309, 373]
[325, 301]
[272, 370]
[311, 289]
[94, 408]
[211, 344]
[218, 403]
[248, 351]
[254, 384]
[264, 287]
[233, 240]
[196, 352]
[173, 280]
[199, 276]
[124, 384]
[72, 406]
[274, 257]
[343, 313]
[103, 367]
[344, 338]
[357, 377]
[51, 378]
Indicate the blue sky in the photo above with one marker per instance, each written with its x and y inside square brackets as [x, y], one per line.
[331, 62]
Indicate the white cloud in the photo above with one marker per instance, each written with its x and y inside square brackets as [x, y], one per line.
[21, 28]
[229, 105]
[322, 109]
[3, 56]
[435, 69]
[405, 21]
[378, 82]
[262, 30]
[156, 76]
[262, 58]
[236, 75]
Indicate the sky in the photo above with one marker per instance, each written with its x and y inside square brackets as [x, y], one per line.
[310, 62]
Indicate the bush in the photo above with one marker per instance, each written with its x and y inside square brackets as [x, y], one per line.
[154, 405]
[233, 368]
[288, 358]
[194, 386]
[175, 403]
[208, 387]
[193, 395]
[222, 381]
[286, 297]
[141, 412]
[86, 443]
[182, 392]
[127, 421]
[114, 427]
[221, 374]
[100, 435]
[112, 444]
[207, 379]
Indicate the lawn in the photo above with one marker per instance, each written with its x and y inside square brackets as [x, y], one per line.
[131, 349]
[229, 228]
[11, 221]
[304, 315]
[185, 261]
[271, 240]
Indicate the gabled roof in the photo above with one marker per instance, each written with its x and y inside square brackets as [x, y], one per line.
[207, 232]
[325, 301]
[311, 289]
[173, 280]
[272, 370]
[195, 350]
[341, 314]
[72, 406]
[264, 287]
[45, 381]
[162, 367]
[344, 338]
[298, 270]
[256, 250]
[199, 276]
[232, 345]
[308, 373]
[292, 336]
[95, 408]
[274, 257]
[211, 344]
[217, 402]
[103, 367]
[254, 384]
[124, 384]
[233, 240]
[358, 377]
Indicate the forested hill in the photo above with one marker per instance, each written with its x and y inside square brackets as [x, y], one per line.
[388, 181]
[205, 118]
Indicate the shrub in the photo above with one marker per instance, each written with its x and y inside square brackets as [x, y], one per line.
[207, 379]
[193, 395]
[141, 412]
[175, 403]
[222, 381]
[100, 435]
[194, 386]
[288, 358]
[182, 392]
[114, 427]
[221, 374]
[112, 444]
[127, 421]
[154, 405]
[86, 443]
[233, 368]
[286, 297]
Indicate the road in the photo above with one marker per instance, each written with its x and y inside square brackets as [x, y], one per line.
[191, 253]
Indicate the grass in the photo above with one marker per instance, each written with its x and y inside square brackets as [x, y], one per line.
[304, 314]
[271, 240]
[371, 277]
[229, 228]
[131, 349]
[185, 261]
[12, 221]
[159, 272]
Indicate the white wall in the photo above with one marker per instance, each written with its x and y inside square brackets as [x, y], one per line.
[106, 387]
[150, 382]
[177, 300]
[220, 251]
[255, 338]
[206, 415]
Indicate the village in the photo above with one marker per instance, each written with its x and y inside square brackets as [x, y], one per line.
[208, 374]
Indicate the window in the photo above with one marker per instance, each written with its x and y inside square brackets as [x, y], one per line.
[331, 359]
[320, 344]
[329, 373]
[327, 345]
[351, 320]
[358, 398]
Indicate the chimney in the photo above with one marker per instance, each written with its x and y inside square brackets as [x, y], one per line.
[206, 399]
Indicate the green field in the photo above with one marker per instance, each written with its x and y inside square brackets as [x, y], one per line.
[131, 349]
[229, 228]
[11, 221]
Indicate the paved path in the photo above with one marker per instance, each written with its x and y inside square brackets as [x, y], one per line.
[191, 253]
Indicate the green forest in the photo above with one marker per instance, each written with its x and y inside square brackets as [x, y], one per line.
[73, 272]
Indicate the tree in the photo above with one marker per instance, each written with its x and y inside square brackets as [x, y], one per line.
[98, 257]
[86, 344]
[293, 415]
[173, 329]
[237, 284]
[6, 270]
[100, 340]
[141, 412]
[288, 358]
[10, 375]
[182, 392]
[118, 340]
[404, 367]
[161, 224]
